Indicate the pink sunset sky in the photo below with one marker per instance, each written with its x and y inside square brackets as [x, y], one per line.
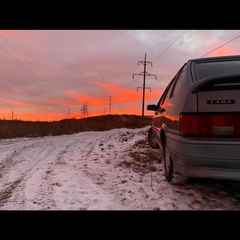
[49, 75]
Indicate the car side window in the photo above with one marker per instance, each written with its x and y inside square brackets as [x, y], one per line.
[161, 98]
[165, 93]
[172, 87]
[176, 84]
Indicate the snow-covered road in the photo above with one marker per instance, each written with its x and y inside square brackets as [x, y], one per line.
[105, 170]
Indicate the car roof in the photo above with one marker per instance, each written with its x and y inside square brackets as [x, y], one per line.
[229, 57]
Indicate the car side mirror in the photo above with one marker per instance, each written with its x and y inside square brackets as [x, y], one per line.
[152, 107]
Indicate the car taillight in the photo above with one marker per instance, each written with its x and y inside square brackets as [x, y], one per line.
[210, 125]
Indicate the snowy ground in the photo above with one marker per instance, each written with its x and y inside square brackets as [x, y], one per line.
[109, 170]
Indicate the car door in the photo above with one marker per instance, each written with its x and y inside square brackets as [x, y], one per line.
[170, 105]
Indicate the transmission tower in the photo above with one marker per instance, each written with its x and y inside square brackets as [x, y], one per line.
[144, 74]
[70, 115]
[84, 110]
[110, 103]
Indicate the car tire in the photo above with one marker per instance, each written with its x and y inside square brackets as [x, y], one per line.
[172, 176]
[152, 139]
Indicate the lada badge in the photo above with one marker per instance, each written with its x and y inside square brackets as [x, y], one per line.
[221, 101]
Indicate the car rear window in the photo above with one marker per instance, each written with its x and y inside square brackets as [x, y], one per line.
[214, 69]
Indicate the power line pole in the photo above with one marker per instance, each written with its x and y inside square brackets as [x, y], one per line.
[144, 74]
[110, 103]
[70, 115]
[84, 110]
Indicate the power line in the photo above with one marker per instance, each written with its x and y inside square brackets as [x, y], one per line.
[27, 68]
[201, 56]
[30, 56]
[221, 46]
[28, 62]
[175, 47]
[158, 43]
[20, 86]
[169, 46]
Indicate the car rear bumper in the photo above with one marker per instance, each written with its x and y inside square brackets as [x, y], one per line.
[205, 158]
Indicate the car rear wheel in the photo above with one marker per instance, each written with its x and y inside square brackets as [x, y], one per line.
[152, 139]
[171, 174]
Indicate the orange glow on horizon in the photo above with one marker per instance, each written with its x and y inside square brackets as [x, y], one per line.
[112, 88]
[57, 117]
[128, 95]
[80, 99]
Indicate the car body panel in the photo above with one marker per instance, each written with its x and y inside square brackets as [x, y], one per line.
[195, 158]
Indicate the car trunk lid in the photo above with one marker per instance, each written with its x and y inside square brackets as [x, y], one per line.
[218, 108]
[221, 94]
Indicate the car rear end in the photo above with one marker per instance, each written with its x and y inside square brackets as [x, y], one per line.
[210, 120]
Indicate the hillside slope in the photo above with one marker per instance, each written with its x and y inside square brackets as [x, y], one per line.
[16, 128]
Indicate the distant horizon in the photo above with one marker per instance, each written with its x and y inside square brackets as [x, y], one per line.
[112, 114]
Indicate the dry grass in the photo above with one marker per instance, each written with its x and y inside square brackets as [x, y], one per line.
[142, 159]
[17, 128]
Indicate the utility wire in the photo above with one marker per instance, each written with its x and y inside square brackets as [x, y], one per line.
[175, 48]
[201, 56]
[221, 46]
[169, 46]
[32, 59]
[22, 64]
[27, 69]
[20, 86]
[157, 44]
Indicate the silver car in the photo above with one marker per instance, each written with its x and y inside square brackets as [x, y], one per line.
[196, 122]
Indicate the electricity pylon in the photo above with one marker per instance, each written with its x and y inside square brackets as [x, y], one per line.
[144, 74]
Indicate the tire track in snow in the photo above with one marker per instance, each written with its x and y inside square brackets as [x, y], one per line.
[24, 164]
[8, 191]
[108, 151]
[40, 193]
